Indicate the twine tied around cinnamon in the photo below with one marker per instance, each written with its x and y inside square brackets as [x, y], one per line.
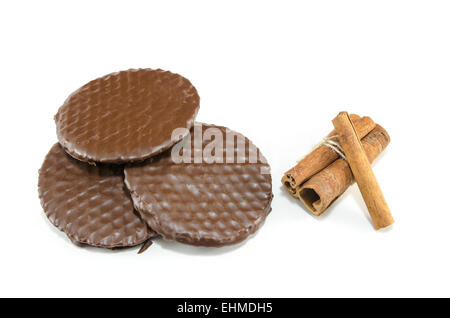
[331, 143]
[334, 145]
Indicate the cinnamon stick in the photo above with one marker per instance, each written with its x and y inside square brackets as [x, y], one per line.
[320, 158]
[362, 171]
[319, 192]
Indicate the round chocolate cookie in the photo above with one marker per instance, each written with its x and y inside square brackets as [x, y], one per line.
[89, 203]
[213, 197]
[126, 116]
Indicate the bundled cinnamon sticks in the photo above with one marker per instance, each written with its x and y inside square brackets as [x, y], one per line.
[345, 155]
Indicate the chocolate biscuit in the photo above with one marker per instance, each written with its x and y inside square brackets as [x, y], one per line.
[89, 203]
[126, 116]
[207, 203]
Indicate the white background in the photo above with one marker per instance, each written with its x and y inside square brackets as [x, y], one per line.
[277, 72]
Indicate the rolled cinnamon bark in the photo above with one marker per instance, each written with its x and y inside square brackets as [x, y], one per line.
[320, 158]
[362, 171]
[319, 192]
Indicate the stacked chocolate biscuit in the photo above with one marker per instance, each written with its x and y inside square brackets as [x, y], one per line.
[131, 163]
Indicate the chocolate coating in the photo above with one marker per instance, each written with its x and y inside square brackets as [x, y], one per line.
[89, 203]
[206, 204]
[126, 116]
